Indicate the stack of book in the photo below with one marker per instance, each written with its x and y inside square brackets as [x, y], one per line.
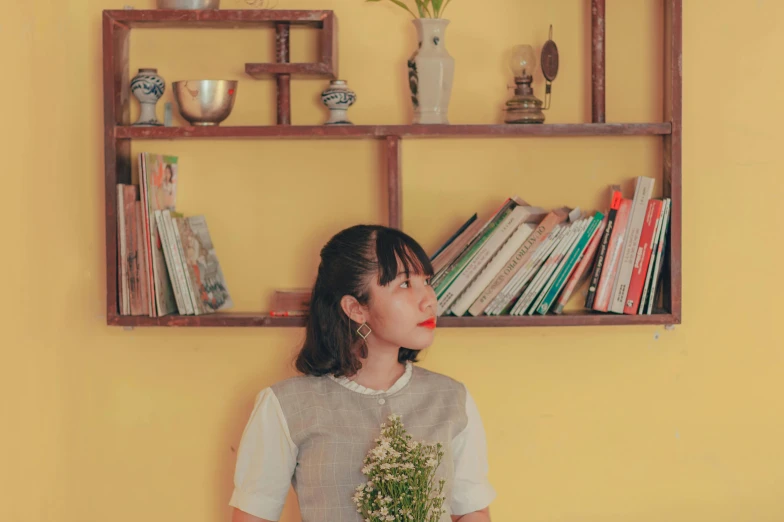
[525, 260]
[166, 261]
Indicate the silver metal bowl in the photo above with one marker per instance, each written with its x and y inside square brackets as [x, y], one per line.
[188, 4]
[205, 102]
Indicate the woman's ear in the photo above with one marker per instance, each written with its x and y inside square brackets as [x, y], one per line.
[352, 308]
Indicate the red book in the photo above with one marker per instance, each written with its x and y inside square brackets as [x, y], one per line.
[643, 257]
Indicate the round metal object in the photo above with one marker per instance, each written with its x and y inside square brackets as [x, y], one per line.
[205, 102]
[549, 60]
[188, 4]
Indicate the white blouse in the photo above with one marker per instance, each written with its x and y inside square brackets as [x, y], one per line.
[267, 457]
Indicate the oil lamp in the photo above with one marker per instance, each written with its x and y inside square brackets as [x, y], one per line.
[524, 107]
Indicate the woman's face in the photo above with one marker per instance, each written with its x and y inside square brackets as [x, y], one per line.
[399, 313]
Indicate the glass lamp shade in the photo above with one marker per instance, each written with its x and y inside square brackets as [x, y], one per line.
[523, 61]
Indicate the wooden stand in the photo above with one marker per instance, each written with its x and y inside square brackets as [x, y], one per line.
[118, 134]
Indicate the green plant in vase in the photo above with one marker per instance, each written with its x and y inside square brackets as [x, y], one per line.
[425, 8]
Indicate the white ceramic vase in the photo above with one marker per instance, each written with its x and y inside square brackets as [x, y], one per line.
[147, 86]
[430, 72]
[338, 98]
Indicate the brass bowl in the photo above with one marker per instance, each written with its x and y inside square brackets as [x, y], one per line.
[205, 102]
[188, 4]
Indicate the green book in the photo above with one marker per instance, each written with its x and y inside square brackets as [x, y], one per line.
[465, 258]
[569, 265]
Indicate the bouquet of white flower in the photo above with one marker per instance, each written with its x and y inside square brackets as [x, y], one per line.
[401, 483]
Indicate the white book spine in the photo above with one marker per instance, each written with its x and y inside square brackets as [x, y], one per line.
[551, 267]
[188, 282]
[544, 272]
[633, 231]
[523, 276]
[581, 228]
[165, 246]
[481, 258]
[182, 281]
[496, 264]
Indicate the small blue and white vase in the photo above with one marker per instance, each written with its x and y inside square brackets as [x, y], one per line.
[338, 98]
[147, 86]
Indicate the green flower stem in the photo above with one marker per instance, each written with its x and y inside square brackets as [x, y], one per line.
[425, 8]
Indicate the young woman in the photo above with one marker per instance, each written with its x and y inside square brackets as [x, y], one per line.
[372, 311]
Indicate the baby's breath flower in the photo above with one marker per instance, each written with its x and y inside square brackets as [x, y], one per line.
[401, 484]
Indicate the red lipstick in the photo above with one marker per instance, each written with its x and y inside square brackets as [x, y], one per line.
[430, 323]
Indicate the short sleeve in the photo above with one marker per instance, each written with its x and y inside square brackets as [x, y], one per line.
[471, 490]
[265, 460]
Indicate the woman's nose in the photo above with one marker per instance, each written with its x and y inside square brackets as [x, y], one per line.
[430, 301]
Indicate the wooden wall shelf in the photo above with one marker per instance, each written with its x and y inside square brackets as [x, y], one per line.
[118, 134]
[256, 320]
[400, 131]
[221, 18]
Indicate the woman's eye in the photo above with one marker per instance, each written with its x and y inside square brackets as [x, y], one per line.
[404, 284]
[427, 281]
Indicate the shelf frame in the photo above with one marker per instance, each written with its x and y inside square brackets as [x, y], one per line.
[400, 131]
[118, 134]
[218, 18]
[236, 319]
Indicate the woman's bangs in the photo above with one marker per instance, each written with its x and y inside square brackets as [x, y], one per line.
[395, 254]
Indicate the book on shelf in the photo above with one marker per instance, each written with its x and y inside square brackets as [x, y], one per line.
[642, 193]
[518, 259]
[522, 260]
[616, 197]
[495, 236]
[525, 260]
[643, 256]
[166, 261]
[649, 294]
[291, 302]
[612, 258]
[582, 268]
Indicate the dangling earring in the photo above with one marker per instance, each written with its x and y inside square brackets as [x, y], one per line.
[361, 334]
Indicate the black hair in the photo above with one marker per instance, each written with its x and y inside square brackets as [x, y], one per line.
[349, 260]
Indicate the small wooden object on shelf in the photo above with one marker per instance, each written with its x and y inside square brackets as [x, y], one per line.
[118, 134]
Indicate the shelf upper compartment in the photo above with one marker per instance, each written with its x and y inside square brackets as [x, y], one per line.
[403, 131]
[226, 18]
[255, 320]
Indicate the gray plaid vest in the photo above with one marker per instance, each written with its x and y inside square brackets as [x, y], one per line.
[334, 428]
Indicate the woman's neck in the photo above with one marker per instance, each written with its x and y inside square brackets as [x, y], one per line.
[380, 370]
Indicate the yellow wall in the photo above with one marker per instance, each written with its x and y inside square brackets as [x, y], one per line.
[591, 424]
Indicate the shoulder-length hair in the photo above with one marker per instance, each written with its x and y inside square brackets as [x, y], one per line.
[349, 260]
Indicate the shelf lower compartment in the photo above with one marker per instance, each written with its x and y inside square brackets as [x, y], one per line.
[260, 319]
[403, 131]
